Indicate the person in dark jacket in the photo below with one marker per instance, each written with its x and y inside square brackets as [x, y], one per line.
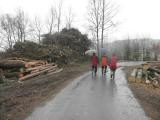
[94, 63]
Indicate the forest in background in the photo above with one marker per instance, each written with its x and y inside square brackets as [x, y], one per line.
[142, 49]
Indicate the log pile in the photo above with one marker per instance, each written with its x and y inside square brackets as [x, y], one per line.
[148, 73]
[9, 64]
[24, 69]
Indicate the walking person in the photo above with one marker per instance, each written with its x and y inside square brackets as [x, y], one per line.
[94, 63]
[104, 64]
[113, 66]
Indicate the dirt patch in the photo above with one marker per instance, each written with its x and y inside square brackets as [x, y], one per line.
[18, 100]
[147, 95]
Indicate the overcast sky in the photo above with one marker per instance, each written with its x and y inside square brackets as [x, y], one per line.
[137, 18]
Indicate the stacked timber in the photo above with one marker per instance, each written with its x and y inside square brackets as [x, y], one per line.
[35, 71]
[24, 69]
[148, 73]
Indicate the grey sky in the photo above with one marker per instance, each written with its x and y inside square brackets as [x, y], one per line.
[137, 18]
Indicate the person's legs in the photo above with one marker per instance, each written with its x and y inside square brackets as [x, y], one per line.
[92, 68]
[111, 73]
[95, 68]
[105, 68]
[102, 69]
[114, 74]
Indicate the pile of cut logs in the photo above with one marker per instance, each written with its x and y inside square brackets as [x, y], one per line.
[148, 73]
[24, 69]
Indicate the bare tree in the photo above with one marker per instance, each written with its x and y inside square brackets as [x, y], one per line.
[2, 47]
[51, 20]
[69, 19]
[7, 29]
[59, 15]
[54, 17]
[109, 11]
[38, 28]
[94, 18]
[13, 28]
[21, 25]
[103, 17]
[100, 17]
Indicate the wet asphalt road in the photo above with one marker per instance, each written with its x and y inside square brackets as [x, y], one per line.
[93, 98]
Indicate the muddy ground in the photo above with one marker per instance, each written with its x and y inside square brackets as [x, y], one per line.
[147, 95]
[17, 100]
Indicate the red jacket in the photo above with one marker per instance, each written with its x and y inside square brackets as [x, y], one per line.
[113, 63]
[104, 61]
[94, 60]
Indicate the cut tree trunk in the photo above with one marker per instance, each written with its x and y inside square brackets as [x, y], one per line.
[8, 64]
[40, 67]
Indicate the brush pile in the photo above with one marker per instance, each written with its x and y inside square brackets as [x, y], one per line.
[148, 73]
[23, 69]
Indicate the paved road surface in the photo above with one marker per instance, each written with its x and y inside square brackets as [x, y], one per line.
[93, 98]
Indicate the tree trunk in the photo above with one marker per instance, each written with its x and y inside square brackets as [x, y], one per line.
[102, 35]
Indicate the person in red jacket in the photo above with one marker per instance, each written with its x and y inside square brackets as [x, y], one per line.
[94, 63]
[104, 64]
[113, 65]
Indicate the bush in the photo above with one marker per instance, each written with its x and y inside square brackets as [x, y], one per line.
[71, 38]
